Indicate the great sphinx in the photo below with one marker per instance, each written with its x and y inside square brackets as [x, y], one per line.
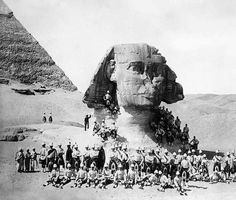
[139, 81]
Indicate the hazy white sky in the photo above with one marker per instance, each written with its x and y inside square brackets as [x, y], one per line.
[197, 37]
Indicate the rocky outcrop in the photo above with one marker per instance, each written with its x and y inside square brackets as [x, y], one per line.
[23, 59]
[139, 78]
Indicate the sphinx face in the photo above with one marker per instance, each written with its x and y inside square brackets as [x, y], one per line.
[144, 80]
[136, 75]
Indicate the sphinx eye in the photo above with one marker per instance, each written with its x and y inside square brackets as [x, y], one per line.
[136, 67]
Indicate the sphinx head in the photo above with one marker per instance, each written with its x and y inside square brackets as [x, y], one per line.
[135, 75]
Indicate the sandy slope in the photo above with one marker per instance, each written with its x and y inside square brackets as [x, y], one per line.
[211, 118]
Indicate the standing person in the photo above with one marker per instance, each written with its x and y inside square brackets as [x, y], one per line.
[217, 159]
[86, 157]
[34, 160]
[227, 167]
[20, 158]
[51, 157]
[60, 159]
[27, 160]
[42, 157]
[185, 167]
[69, 154]
[86, 122]
[44, 118]
[101, 158]
[76, 158]
[50, 118]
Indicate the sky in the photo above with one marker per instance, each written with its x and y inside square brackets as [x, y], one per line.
[197, 37]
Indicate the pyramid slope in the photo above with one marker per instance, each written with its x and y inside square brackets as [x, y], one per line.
[23, 59]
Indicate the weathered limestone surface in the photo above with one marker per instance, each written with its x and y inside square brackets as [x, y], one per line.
[23, 59]
[140, 78]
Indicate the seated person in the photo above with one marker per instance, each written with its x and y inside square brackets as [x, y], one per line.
[107, 98]
[119, 177]
[92, 177]
[164, 182]
[178, 183]
[131, 178]
[106, 177]
[96, 128]
[81, 176]
[54, 177]
[68, 175]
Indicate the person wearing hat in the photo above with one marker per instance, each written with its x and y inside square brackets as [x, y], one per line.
[173, 166]
[125, 157]
[119, 176]
[51, 157]
[103, 124]
[153, 178]
[228, 165]
[113, 130]
[179, 157]
[96, 128]
[44, 118]
[217, 160]
[164, 182]
[106, 177]
[204, 166]
[199, 158]
[150, 160]
[27, 160]
[101, 158]
[185, 167]
[54, 177]
[131, 178]
[137, 157]
[158, 159]
[178, 183]
[81, 176]
[194, 143]
[69, 152]
[34, 160]
[60, 159]
[42, 157]
[75, 158]
[166, 161]
[68, 175]
[86, 158]
[86, 122]
[233, 166]
[50, 118]
[107, 98]
[92, 176]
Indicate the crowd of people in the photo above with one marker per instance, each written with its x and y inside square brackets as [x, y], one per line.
[120, 166]
[165, 125]
[105, 131]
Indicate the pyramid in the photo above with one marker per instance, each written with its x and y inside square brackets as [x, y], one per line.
[23, 59]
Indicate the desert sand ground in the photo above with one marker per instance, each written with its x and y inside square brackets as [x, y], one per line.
[26, 111]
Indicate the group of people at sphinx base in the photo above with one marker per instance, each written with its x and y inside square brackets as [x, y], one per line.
[166, 126]
[105, 131]
[121, 166]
